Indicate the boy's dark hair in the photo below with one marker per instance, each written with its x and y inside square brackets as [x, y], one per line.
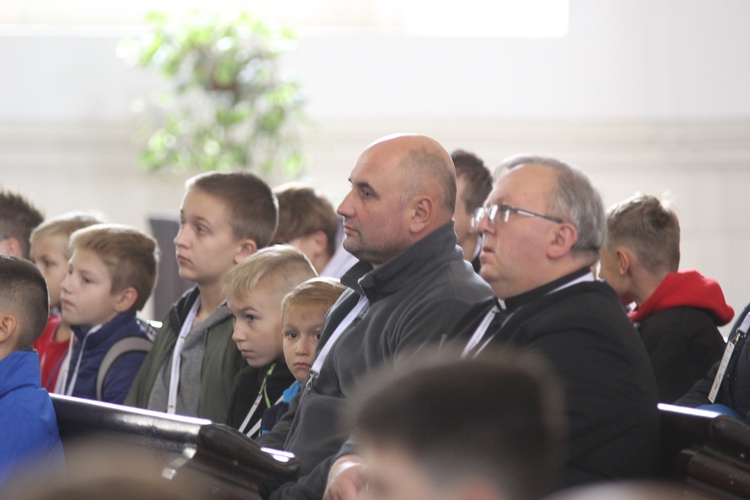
[303, 211]
[477, 175]
[24, 293]
[253, 210]
[497, 416]
[18, 217]
[649, 228]
[129, 254]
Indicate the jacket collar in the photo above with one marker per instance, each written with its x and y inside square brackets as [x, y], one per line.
[105, 330]
[179, 312]
[421, 258]
[512, 303]
[18, 369]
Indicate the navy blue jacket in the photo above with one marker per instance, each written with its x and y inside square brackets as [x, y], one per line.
[89, 350]
[734, 391]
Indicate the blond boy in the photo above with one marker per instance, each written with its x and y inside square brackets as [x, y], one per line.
[28, 427]
[111, 274]
[303, 312]
[254, 290]
[50, 253]
[194, 366]
[677, 313]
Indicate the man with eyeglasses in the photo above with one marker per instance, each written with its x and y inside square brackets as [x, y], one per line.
[543, 227]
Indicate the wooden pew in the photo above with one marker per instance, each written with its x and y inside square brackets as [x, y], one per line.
[213, 459]
[708, 451]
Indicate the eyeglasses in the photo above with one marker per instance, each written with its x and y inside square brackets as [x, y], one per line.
[494, 213]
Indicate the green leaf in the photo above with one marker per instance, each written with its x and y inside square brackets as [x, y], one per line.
[229, 104]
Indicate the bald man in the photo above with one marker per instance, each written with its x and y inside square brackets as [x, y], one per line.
[408, 289]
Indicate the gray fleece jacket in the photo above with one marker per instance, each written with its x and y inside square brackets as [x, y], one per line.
[414, 300]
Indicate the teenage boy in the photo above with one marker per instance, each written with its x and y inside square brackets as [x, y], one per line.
[18, 217]
[254, 291]
[473, 184]
[302, 313]
[676, 312]
[28, 426]
[193, 365]
[50, 252]
[110, 276]
[308, 221]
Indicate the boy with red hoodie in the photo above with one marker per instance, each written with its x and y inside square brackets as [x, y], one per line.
[676, 312]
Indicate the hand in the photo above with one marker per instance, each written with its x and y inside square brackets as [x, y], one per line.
[345, 479]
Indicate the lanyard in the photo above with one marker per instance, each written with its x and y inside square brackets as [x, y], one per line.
[262, 394]
[67, 388]
[738, 335]
[480, 331]
[65, 367]
[174, 378]
[349, 319]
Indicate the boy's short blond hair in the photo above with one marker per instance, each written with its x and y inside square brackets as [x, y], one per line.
[286, 265]
[650, 228]
[65, 225]
[24, 294]
[252, 206]
[318, 293]
[129, 254]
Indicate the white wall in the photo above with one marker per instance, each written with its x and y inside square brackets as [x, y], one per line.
[642, 94]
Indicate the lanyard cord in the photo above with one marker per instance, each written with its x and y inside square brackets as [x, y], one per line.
[174, 377]
[262, 394]
[348, 320]
[734, 339]
[263, 388]
[62, 378]
[66, 388]
[480, 331]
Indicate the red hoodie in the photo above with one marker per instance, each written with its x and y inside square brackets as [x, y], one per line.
[686, 289]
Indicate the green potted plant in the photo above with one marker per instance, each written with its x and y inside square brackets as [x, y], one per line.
[228, 104]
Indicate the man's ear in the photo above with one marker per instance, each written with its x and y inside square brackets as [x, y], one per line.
[125, 299]
[421, 214]
[246, 248]
[8, 326]
[564, 236]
